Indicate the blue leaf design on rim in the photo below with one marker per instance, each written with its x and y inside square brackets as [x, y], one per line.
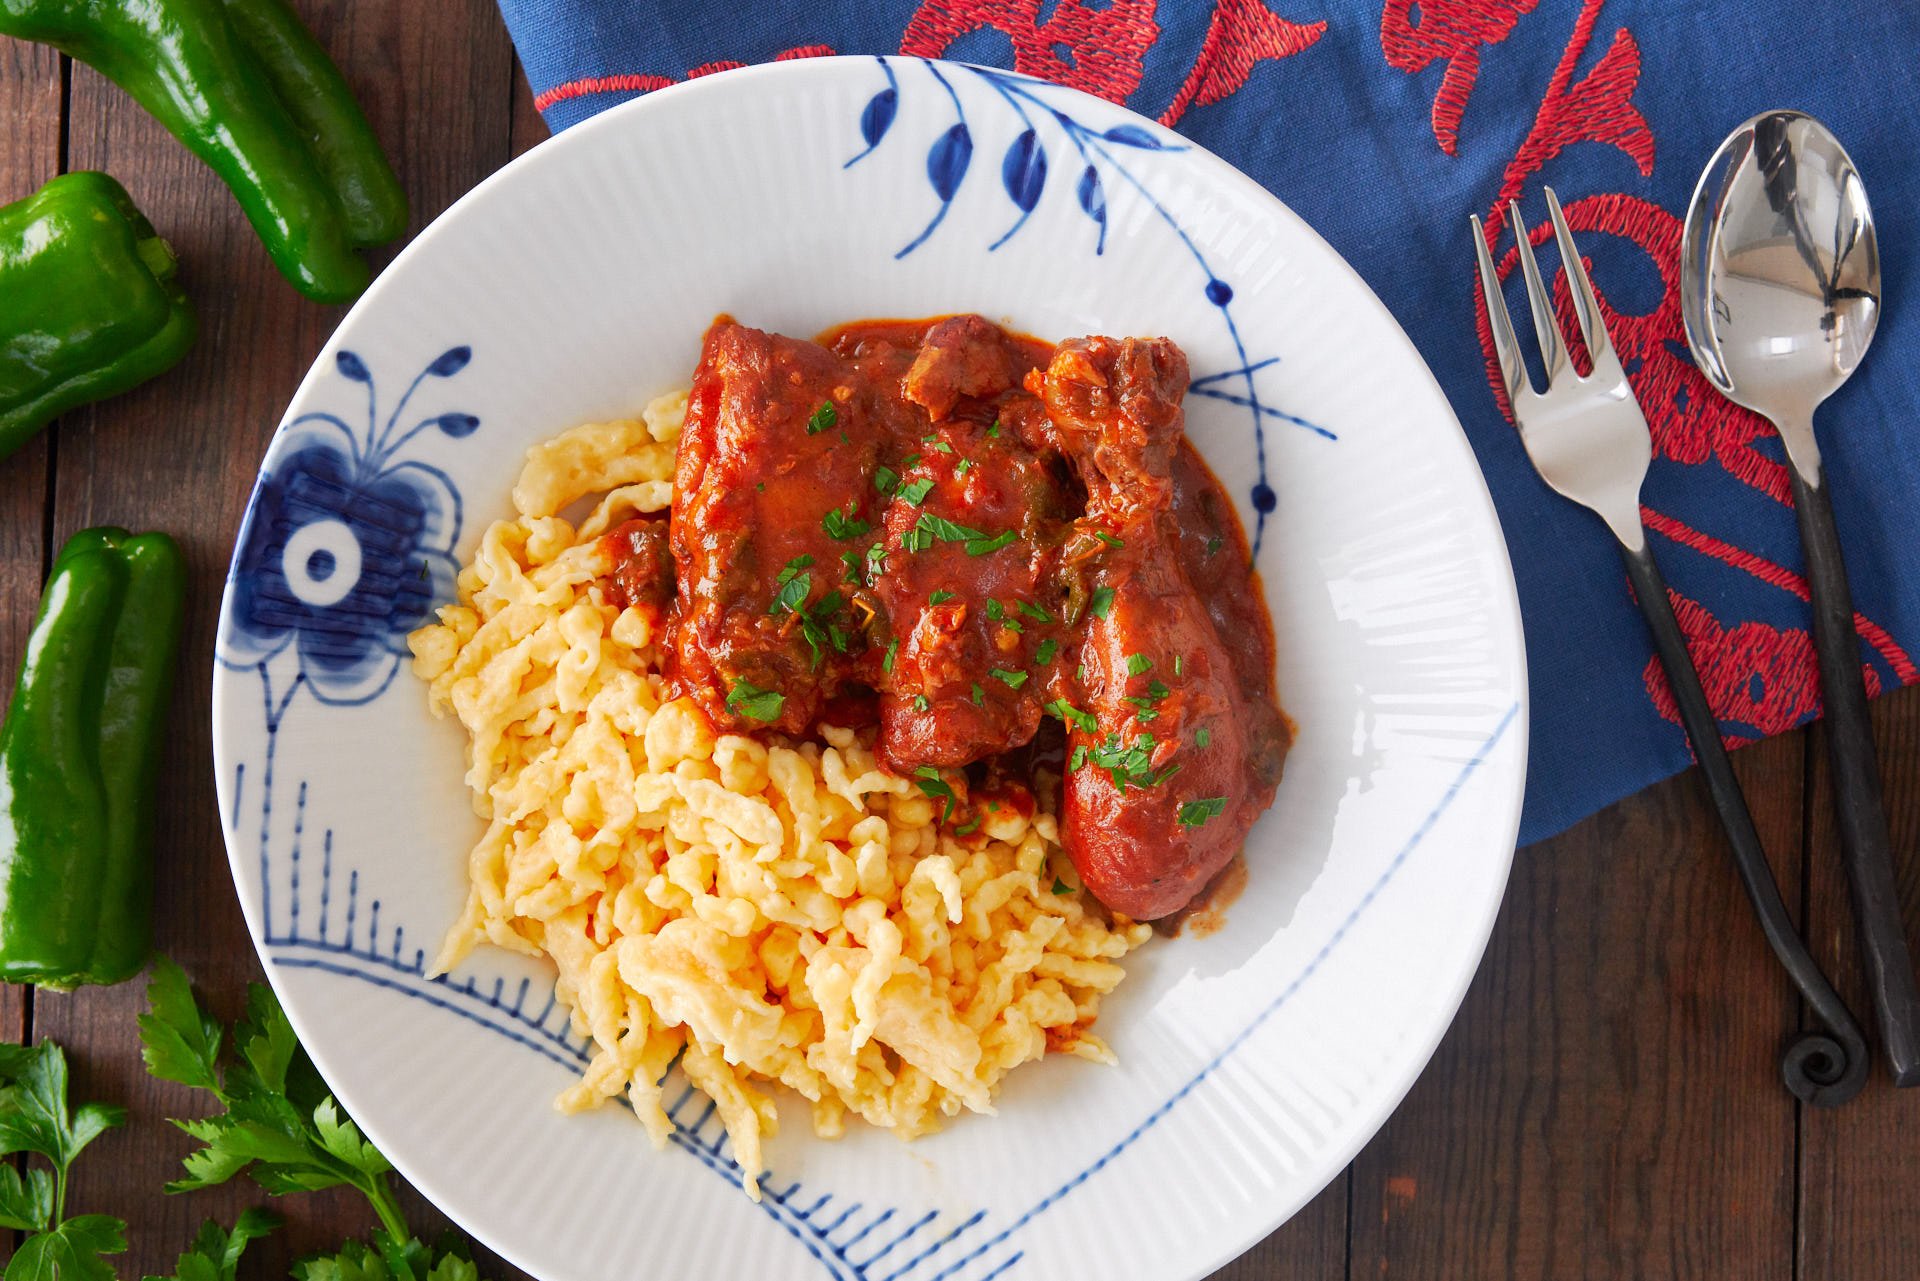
[1133, 136]
[351, 366]
[877, 117]
[450, 362]
[1093, 198]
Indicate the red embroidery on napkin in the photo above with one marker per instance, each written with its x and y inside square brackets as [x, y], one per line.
[1240, 34]
[641, 83]
[1754, 675]
[1454, 30]
[1100, 49]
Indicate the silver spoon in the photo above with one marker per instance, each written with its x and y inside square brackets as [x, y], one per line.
[1780, 291]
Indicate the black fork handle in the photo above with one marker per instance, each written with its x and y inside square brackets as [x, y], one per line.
[1822, 1068]
[1856, 785]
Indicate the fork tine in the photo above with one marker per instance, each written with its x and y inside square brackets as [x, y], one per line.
[1553, 352]
[1505, 345]
[1585, 306]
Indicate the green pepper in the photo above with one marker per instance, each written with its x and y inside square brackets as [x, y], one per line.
[89, 306]
[252, 93]
[78, 755]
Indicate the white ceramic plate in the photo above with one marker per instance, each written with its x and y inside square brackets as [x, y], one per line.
[575, 285]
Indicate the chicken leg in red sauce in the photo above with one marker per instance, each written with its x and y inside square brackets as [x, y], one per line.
[952, 532]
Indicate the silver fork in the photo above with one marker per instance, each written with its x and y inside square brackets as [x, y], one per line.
[1589, 441]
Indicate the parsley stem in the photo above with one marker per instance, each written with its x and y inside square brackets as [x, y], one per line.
[379, 1194]
[59, 1196]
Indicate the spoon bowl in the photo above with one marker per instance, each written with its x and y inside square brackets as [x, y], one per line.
[1780, 287]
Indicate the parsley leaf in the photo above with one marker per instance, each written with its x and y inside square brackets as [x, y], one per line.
[1100, 604]
[893, 649]
[940, 597]
[916, 491]
[34, 1116]
[26, 1201]
[791, 594]
[1203, 737]
[934, 787]
[1061, 887]
[842, 525]
[1013, 680]
[756, 704]
[1128, 762]
[979, 695]
[969, 827]
[1072, 715]
[822, 418]
[1079, 757]
[993, 432]
[1213, 545]
[1038, 613]
[215, 1252]
[71, 1252]
[945, 530]
[1194, 813]
[280, 1126]
[178, 1042]
[1138, 663]
[885, 479]
[876, 562]
[1109, 539]
[995, 610]
[1179, 664]
[984, 546]
[920, 703]
[1045, 653]
[1157, 691]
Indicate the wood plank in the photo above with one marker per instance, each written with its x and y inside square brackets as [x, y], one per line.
[1311, 1246]
[29, 156]
[528, 130]
[181, 454]
[1608, 1103]
[1857, 1189]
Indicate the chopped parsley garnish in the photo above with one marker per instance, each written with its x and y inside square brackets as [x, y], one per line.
[1157, 691]
[1038, 613]
[920, 703]
[756, 704]
[876, 562]
[852, 561]
[1109, 539]
[1194, 813]
[1080, 673]
[939, 446]
[1138, 663]
[792, 585]
[885, 479]
[910, 460]
[893, 649]
[945, 530]
[969, 827]
[1061, 887]
[979, 695]
[1203, 737]
[1100, 604]
[1130, 762]
[916, 540]
[934, 787]
[1179, 665]
[982, 546]
[916, 492]
[940, 597]
[1079, 757]
[1046, 651]
[993, 432]
[996, 611]
[823, 418]
[1012, 680]
[842, 525]
[961, 468]
[1213, 545]
[1145, 710]
[1072, 715]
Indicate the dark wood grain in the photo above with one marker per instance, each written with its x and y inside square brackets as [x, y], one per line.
[1608, 1103]
[29, 155]
[1858, 1191]
[180, 454]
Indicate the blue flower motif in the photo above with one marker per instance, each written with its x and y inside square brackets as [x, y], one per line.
[344, 552]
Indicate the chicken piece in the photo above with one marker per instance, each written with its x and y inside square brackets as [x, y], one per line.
[961, 358]
[777, 437]
[971, 598]
[1160, 791]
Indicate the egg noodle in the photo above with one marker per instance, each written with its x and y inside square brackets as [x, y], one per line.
[760, 911]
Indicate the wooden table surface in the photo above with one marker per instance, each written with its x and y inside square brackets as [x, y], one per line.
[1607, 1104]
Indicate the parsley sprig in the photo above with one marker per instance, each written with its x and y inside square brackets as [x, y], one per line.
[35, 1119]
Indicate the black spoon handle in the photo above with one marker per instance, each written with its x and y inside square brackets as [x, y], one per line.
[1856, 785]
[1826, 1070]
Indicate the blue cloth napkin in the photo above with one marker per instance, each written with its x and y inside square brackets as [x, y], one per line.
[1385, 129]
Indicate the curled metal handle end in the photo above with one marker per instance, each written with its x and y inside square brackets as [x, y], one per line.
[1820, 1070]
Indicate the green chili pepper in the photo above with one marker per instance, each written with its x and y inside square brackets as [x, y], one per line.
[89, 306]
[252, 93]
[78, 755]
